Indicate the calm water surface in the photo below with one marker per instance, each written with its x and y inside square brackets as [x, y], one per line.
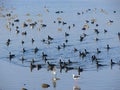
[14, 75]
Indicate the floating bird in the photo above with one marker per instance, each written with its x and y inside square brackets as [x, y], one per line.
[105, 30]
[44, 85]
[32, 40]
[11, 55]
[36, 50]
[79, 70]
[108, 47]
[76, 77]
[111, 62]
[98, 51]
[50, 38]
[66, 34]
[24, 89]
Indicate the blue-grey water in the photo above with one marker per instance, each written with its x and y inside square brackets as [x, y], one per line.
[15, 74]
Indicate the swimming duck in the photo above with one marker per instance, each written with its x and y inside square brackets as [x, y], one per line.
[50, 38]
[79, 70]
[108, 47]
[50, 66]
[66, 34]
[98, 51]
[11, 55]
[76, 77]
[32, 40]
[111, 62]
[36, 50]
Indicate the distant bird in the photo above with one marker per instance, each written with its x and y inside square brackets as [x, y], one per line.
[24, 33]
[38, 66]
[32, 40]
[86, 52]
[11, 55]
[111, 62]
[23, 50]
[66, 34]
[50, 38]
[98, 51]
[36, 50]
[58, 47]
[22, 42]
[44, 85]
[44, 55]
[79, 70]
[96, 31]
[108, 47]
[24, 89]
[76, 77]
[50, 66]
[105, 30]
[8, 42]
[119, 35]
[75, 49]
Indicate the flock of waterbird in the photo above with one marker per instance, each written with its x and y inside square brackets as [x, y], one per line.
[12, 25]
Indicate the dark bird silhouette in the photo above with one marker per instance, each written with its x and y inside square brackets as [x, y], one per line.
[11, 56]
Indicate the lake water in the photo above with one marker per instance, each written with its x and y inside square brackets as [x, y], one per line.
[15, 74]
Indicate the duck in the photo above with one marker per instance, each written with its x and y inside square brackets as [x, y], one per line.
[24, 24]
[16, 20]
[98, 51]
[75, 49]
[108, 47]
[23, 50]
[64, 45]
[80, 69]
[96, 39]
[96, 31]
[76, 77]
[81, 38]
[69, 27]
[32, 66]
[66, 41]
[58, 47]
[44, 55]
[93, 57]
[24, 89]
[38, 66]
[50, 38]
[8, 42]
[50, 66]
[32, 40]
[105, 30]
[66, 34]
[69, 62]
[82, 54]
[99, 65]
[111, 62]
[64, 23]
[11, 55]
[24, 33]
[60, 61]
[17, 31]
[36, 50]
[86, 52]
[22, 42]
[44, 85]
[22, 59]
[68, 68]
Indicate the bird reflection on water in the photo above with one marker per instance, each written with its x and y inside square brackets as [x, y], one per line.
[76, 87]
